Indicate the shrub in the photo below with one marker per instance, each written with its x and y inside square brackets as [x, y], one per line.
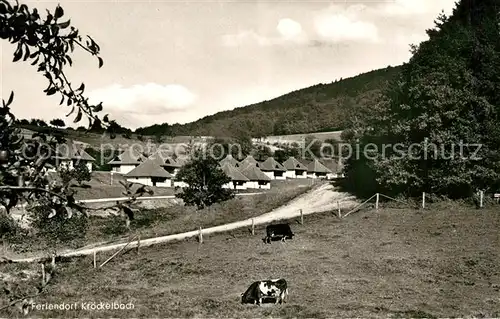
[56, 228]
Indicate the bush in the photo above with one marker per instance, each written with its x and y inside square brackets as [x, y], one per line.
[8, 227]
[59, 229]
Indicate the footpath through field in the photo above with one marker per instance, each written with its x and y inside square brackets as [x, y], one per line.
[320, 199]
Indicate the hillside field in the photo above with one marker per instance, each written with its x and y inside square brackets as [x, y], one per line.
[386, 263]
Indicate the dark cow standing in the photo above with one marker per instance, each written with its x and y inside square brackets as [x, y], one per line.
[278, 231]
[268, 289]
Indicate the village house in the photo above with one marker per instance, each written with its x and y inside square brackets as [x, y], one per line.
[238, 180]
[257, 178]
[249, 160]
[273, 169]
[335, 166]
[294, 168]
[317, 170]
[229, 159]
[127, 161]
[70, 154]
[170, 163]
[150, 173]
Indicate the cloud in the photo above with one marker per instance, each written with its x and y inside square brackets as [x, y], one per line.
[289, 28]
[340, 27]
[290, 32]
[139, 104]
[150, 98]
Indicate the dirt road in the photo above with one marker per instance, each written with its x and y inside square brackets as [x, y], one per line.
[320, 199]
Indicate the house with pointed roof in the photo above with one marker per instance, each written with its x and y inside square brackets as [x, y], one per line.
[336, 166]
[249, 160]
[257, 178]
[69, 154]
[127, 161]
[317, 170]
[238, 180]
[294, 168]
[168, 162]
[273, 169]
[150, 173]
[230, 159]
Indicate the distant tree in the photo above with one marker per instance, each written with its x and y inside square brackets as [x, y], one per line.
[281, 156]
[23, 122]
[81, 173]
[81, 129]
[205, 181]
[58, 123]
[263, 152]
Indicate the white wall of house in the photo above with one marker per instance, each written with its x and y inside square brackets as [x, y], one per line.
[89, 166]
[316, 175]
[300, 174]
[231, 185]
[124, 169]
[149, 182]
[269, 174]
[279, 175]
[290, 174]
[257, 185]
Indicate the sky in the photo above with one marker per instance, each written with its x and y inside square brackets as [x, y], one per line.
[178, 61]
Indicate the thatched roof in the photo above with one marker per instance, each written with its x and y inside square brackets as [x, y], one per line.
[130, 156]
[254, 173]
[229, 159]
[293, 164]
[165, 159]
[270, 164]
[149, 168]
[248, 160]
[316, 167]
[234, 173]
[71, 150]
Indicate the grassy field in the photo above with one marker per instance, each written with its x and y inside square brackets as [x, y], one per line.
[386, 263]
[168, 217]
[297, 138]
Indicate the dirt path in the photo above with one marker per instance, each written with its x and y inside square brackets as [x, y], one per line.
[320, 199]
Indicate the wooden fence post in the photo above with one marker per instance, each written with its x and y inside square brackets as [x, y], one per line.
[376, 201]
[481, 196]
[338, 210]
[423, 200]
[253, 227]
[200, 236]
[301, 217]
[138, 244]
[95, 259]
[43, 274]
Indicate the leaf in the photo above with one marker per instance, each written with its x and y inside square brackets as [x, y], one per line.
[59, 12]
[26, 53]
[11, 98]
[100, 61]
[51, 91]
[82, 87]
[78, 116]
[105, 119]
[18, 54]
[64, 25]
[98, 107]
[72, 110]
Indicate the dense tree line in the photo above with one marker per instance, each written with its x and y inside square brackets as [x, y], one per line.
[447, 95]
[322, 107]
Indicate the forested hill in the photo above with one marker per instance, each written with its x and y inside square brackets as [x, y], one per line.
[322, 107]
